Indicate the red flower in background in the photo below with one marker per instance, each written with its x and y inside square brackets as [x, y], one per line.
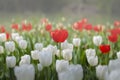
[26, 27]
[88, 27]
[15, 26]
[7, 35]
[113, 38]
[117, 23]
[104, 48]
[44, 20]
[2, 29]
[59, 35]
[115, 31]
[48, 27]
[97, 28]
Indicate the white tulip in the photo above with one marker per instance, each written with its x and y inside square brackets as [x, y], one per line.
[114, 75]
[35, 54]
[45, 57]
[76, 71]
[90, 52]
[52, 48]
[3, 37]
[25, 60]
[10, 46]
[57, 53]
[76, 42]
[11, 61]
[93, 61]
[118, 55]
[25, 72]
[14, 35]
[40, 67]
[101, 72]
[62, 65]
[67, 54]
[18, 38]
[97, 40]
[1, 50]
[38, 46]
[23, 44]
[66, 45]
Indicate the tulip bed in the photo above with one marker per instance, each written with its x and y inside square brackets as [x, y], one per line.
[56, 51]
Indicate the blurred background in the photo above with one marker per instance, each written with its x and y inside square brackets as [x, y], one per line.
[102, 10]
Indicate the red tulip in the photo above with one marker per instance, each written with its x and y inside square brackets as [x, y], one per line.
[88, 27]
[15, 26]
[97, 28]
[104, 48]
[59, 35]
[7, 35]
[26, 27]
[2, 29]
[113, 38]
[115, 31]
[116, 23]
[48, 27]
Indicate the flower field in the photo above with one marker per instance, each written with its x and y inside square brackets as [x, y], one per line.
[47, 50]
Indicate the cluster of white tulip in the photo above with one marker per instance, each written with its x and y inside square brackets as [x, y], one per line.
[92, 58]
[110, 72]
[97, 40]
[68, 72]
[3, 37]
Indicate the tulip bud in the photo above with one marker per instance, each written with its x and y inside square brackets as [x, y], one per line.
[23, 44]
[62, 65]
[11, 61]
[35, 54]
[67, 54]
[1, 50]
[10, 46]
[14, 35]
[40, 67]
[25, 60]
[101, 72]
[92, 60]
[25, 72]
[76, 42]
[38, 46]
[114, 75]
[97, 40]
[52, 48]
[18, 38]
[118, 55]
[66, 45]
[3, 37]
[90, 52]
[45, 57]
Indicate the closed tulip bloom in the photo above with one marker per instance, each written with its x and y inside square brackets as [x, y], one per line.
[77, 71]
[67, 54]
[114, 75]
[61, 65]
[76, 42]
[97, 40]
[52, 48]
[90, 52]
[118, 55]
[11, 61]
[25, 72]
[35, 54]
[92, 60]
[18, 38]
[23, 44]
[25, 60]
[101, 71]
[45, 58]
[38, 46]
[66, 45]
[3, 37]
[10, 46]
[14, 35]
[1, 50]
[40, 67]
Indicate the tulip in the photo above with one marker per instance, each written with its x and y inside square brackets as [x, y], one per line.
[3, 37]
[35, 54]
[45, 57]
[25, 72]
[92, 60]
[52, 48]
[97, 40]
[76, 42]
[101, 71]
[66, 45]
[118, 55]
[22, 44]
[11, 61]
[67, 54]
[61, 65]
[104, 48]
[1, 50]
[59, 35]
[90, 52]
[38, 46]
[14, 35]
[48, 27]
[10, 46]
[40, 67]
[25, 60]
[113, 38]
[18, 38]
